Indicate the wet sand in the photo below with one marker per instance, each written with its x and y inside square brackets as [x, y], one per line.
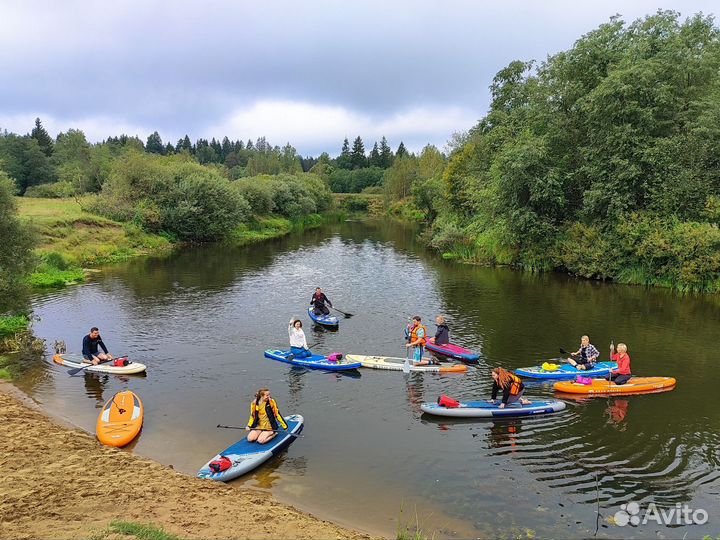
[58, 482]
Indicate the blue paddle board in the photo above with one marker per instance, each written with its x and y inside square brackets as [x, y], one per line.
[315, 361]
[566, 371]
[246, 456]
[483, 409]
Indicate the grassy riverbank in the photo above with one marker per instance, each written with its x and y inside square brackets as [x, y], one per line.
[71, 238]
[61, 496]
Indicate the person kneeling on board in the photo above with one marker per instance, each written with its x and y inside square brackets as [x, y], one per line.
[417, 337]
[298, 343]
[265, 418]
[511, 385]
[622, 374]
[318, 301]
[90, 345]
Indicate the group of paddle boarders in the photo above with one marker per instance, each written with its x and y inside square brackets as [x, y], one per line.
[587, 355]
[416, 337]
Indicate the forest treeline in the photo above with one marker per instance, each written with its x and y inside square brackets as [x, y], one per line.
[602, 161]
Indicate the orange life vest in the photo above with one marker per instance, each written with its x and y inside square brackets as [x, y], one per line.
[414, 336]
[515, 384]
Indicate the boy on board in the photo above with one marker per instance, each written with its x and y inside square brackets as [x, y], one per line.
[417, 337]
[585, 356]
[90, 345]
[318, 301]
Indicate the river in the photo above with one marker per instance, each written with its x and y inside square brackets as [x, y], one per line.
[201, 318]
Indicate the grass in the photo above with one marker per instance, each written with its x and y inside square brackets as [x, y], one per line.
[82, 238]
[46, 276]
[13, 324]
[266, 228]
[409, 530]
[133, 529]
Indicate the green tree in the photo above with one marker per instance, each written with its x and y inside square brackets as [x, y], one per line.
[154, 144]
[401, 151]
[40, 134]
[400, 177]
[386, 154]
[24, 161]
[374, 159]
[357, 155]
[343, 161]
[16, 257]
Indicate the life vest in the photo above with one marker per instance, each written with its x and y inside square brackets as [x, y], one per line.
[515, 385]
[414, 335]
[220, 465]
[272, 413]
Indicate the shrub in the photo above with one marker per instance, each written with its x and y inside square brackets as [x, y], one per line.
[55, 190]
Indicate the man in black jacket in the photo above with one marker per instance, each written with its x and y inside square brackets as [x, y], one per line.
[91, 342]
[318, 301]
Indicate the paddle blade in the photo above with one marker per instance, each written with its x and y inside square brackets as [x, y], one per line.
[406, 366]
[348, 315]
[74, 371]
[563, 351]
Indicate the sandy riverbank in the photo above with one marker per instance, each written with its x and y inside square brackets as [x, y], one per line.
[59, 482]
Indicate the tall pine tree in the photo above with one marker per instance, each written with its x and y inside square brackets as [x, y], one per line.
[40, 134]
[374, 159]
[401, 151]
[386, 155]
[343, 160]
[154, 144]
[357, 156]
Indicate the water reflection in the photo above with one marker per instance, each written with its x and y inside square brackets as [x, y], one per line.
[201, 318]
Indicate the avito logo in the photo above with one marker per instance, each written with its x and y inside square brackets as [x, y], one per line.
[680, 514]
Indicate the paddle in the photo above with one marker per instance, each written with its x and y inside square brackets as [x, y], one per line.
[74, 371]
[347, 315]
[273, 430]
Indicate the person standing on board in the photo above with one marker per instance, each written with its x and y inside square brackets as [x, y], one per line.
[511, 385]
[298, 343]
[586, 356]
[90, 345]
[265, 418]
[622, 374]
[318, 302]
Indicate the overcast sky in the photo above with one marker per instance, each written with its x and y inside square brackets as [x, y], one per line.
[305, 72]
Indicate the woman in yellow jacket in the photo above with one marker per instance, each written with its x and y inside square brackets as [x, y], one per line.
[265, 419]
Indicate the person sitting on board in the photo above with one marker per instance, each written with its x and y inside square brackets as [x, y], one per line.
[318, 301]
[622, 374]
[416, 336]
[585, 356]
[442, 334]
[511, 385]
[90, 345]
[298, 343]
[265, 418]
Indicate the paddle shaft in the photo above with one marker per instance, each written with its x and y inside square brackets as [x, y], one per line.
[347, 315]
[78, 370]
[272, 430]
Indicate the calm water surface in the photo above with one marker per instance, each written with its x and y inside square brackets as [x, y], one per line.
[201, 319]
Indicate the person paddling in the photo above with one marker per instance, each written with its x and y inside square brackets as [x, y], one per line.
[265, 418]
[318, 302]
[511, 385]
[442, 334]
[622, 374]
[90, 345]
[298, 343]
[586, 356]
[417, 337]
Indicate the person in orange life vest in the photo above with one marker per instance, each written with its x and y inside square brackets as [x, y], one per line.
[265, 418]
[511, 385]
[622, 374]
[417, 337]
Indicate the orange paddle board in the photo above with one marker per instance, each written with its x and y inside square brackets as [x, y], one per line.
[600, 387]
[120, 420]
